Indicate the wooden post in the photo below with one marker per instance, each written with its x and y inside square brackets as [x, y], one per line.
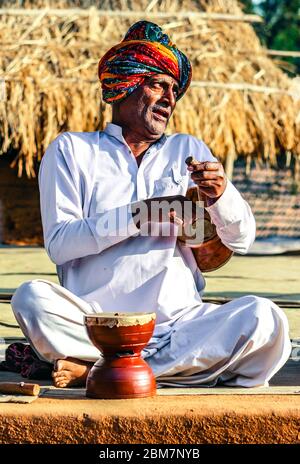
[61, 12]
[297, 170]
[229, 163]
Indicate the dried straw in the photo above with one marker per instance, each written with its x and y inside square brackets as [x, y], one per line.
[49, 64]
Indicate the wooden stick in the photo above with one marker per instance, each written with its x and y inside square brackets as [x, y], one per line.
[279, 302]
[195, 84]
[229, 164]
[250, 18]
[21, 388]
[282, 53]
[261, 52]
[240, 86]
[87, 44]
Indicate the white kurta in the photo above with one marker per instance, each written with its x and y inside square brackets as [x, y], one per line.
[84, 175]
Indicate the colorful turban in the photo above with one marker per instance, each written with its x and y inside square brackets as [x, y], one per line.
[144, 51]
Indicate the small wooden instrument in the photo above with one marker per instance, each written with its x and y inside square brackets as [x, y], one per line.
[210, 254]
[19, 388]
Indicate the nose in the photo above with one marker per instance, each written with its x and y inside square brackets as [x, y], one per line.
[169, 96]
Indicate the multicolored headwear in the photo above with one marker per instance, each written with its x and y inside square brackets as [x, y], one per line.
[144, 51]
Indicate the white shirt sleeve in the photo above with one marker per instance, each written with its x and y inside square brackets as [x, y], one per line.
[234, 220]
[67, 234]
[231, 214]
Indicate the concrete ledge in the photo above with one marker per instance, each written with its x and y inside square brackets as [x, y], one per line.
[188, 420]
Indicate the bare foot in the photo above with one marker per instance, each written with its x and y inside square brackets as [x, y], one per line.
[70, 372]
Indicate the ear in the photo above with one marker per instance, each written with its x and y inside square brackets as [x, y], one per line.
[115, 110]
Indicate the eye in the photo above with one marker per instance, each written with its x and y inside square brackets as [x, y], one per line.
[176, 91]
[155, 84]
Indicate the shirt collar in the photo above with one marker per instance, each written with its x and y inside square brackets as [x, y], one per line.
[116, 131]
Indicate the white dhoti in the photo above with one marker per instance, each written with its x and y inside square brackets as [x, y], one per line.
[241, 343]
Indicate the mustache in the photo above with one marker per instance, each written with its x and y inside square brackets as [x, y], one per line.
[162, 110]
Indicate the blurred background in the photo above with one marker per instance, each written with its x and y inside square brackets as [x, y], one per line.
[244, 101]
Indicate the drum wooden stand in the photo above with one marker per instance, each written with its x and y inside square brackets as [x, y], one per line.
[121, 372]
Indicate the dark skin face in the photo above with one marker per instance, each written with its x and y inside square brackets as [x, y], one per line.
[144, 115]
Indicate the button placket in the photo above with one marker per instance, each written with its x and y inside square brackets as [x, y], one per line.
[178, 178]
[140, 184]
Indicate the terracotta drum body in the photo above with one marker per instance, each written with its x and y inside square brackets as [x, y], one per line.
[121, 372]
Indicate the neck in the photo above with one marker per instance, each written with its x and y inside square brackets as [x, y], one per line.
[137, 142]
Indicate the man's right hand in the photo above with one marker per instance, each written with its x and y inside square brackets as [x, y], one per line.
[175, 208]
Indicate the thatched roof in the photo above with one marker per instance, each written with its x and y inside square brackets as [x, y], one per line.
[240, 102]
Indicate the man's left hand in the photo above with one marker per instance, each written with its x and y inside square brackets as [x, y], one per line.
[211, 179]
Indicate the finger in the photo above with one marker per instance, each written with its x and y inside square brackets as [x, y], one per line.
[212, 166]
[174, 218]
[209, 183]
[200, 166]
[205, 166]
[206, 175]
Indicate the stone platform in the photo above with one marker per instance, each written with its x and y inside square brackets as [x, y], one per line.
[187, 419]
[187, 416]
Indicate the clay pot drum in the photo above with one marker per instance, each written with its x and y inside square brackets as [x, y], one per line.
[120, 372]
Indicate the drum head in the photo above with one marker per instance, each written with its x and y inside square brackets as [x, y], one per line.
[118, 319]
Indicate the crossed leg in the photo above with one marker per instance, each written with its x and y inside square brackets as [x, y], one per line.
[242, 343]
[52, 319]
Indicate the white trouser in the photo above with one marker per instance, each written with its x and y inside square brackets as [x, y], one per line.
[241, 343]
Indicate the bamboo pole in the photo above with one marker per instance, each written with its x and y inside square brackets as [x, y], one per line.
[283, 53]
[241, 86]
[283, 303]
[43, 43]
[229, 164]
[131, 14]
[264, 51]
[195, 84]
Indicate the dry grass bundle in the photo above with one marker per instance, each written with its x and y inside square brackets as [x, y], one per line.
[49, 64]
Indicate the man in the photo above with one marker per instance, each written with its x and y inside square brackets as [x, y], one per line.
[87, 180]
